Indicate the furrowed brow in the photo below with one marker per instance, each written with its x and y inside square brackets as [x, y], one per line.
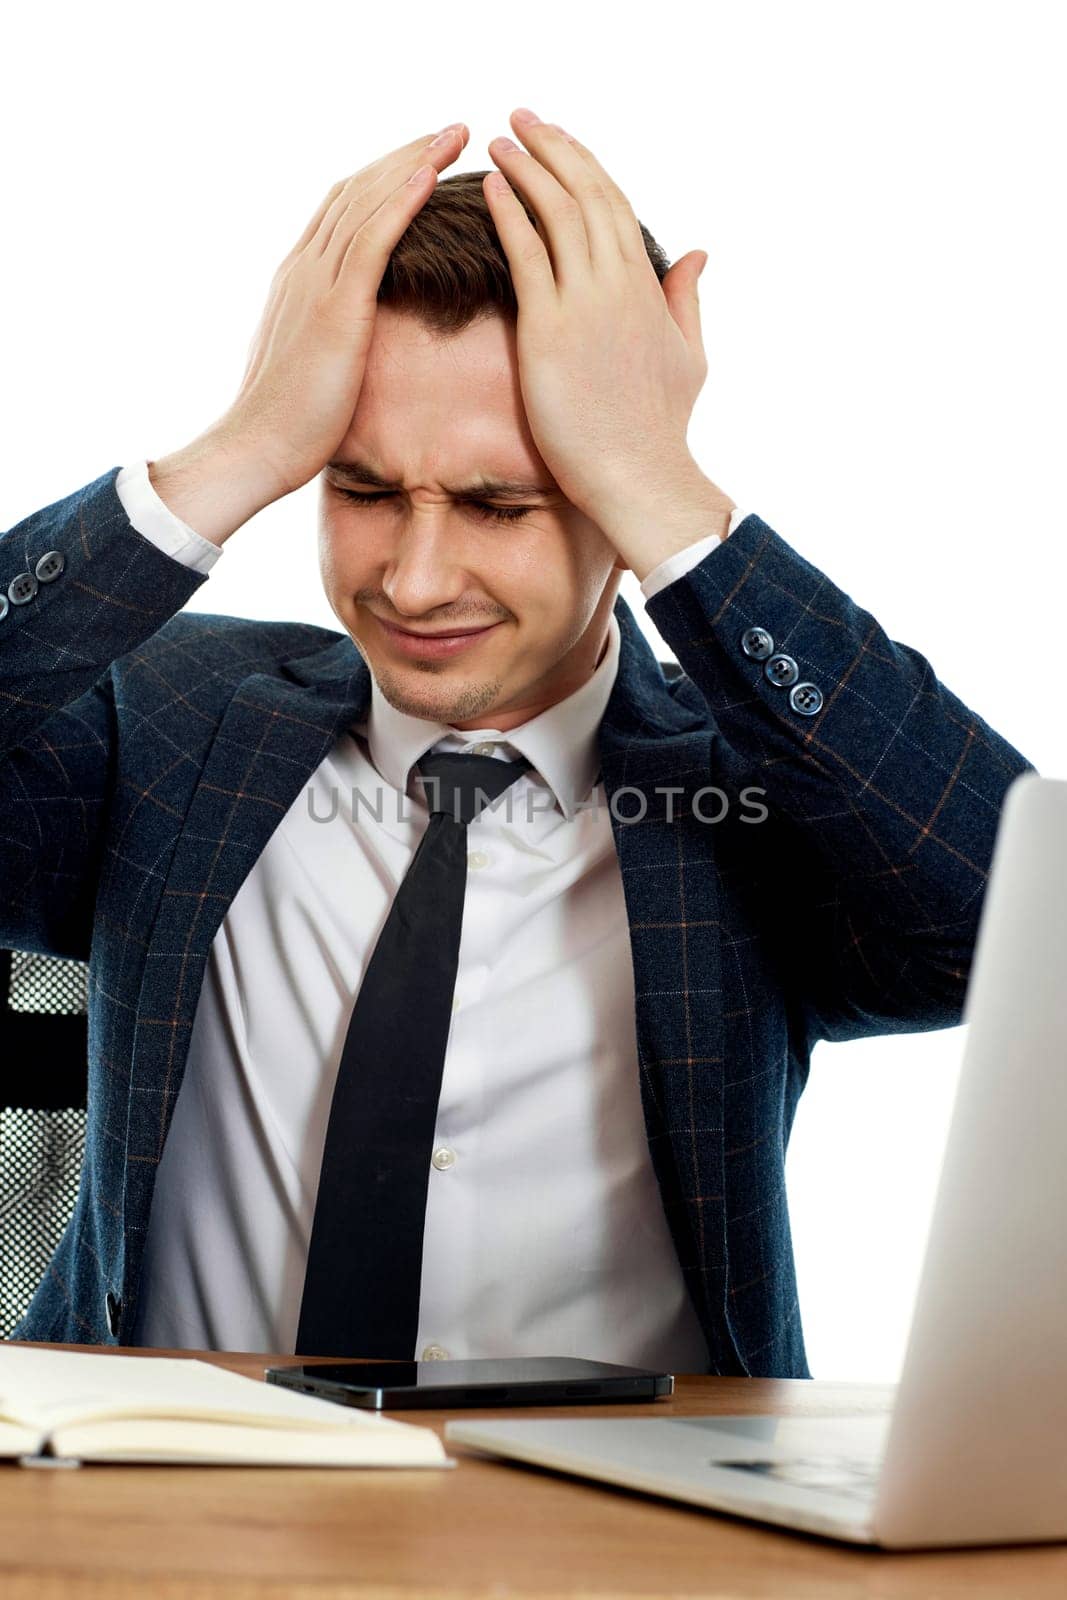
[479, 488]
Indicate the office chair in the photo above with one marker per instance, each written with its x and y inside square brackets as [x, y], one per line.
[43, 1080]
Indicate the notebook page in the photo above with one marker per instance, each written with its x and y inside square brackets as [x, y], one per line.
[18, 1441]
[219, 1444]
[50, 1388]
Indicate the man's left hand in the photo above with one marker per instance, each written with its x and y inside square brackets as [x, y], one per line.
[610, 359]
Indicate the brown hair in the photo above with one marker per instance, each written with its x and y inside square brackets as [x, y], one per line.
[449, 268]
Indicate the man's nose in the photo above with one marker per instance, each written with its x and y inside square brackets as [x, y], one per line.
[424, 569]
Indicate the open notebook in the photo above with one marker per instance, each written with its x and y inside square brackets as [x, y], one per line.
[100, 1407]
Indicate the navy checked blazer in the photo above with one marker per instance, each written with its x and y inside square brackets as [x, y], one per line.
[146, 758]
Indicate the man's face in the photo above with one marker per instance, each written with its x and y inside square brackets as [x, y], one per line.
[435, 416]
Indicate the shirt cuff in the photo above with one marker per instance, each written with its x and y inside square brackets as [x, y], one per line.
[158, 523]
[680, 563]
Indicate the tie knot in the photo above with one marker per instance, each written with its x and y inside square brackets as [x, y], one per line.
[460, 785]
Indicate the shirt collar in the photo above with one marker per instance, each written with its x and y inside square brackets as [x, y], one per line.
[560, 743]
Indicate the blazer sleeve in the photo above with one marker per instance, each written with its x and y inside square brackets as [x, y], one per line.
[83, 588]
[884, 788]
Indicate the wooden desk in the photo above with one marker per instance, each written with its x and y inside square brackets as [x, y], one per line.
[484, 1528]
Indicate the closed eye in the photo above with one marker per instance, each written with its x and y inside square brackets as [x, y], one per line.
[484, 509]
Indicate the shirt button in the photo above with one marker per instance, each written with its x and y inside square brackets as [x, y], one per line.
[483, 749]
[444, 1158]
[434, 1352]
[477, 858]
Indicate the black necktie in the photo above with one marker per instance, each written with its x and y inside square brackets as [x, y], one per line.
[361, 1287]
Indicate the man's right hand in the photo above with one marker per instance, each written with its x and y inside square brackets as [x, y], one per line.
[308, 356]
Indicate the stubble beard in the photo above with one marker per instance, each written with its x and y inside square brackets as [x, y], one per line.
[438, 702]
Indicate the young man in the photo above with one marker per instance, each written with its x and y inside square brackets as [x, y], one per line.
[551, 1116]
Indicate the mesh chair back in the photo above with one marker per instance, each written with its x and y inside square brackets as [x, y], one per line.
[43, 1074]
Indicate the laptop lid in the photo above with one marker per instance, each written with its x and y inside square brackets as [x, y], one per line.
[977, 1446]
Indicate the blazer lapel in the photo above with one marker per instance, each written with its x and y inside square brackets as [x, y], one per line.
[273, 734]
[651, 742]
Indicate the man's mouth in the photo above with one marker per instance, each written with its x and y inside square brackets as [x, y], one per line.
[414, 643]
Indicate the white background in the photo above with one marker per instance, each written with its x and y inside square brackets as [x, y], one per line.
[880, 190]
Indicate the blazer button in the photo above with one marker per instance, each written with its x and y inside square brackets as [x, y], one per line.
[805, 698]
[5, 605]
[757, 643]
[113, 1310]
[50, 566]
[781, 670]
[22, 588]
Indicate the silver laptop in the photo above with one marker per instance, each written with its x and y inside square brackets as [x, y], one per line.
[974, 1450]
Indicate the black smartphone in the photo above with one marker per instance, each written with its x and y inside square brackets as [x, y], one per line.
[511, 1381]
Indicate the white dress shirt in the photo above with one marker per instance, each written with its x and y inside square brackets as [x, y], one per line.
[545, 1232]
